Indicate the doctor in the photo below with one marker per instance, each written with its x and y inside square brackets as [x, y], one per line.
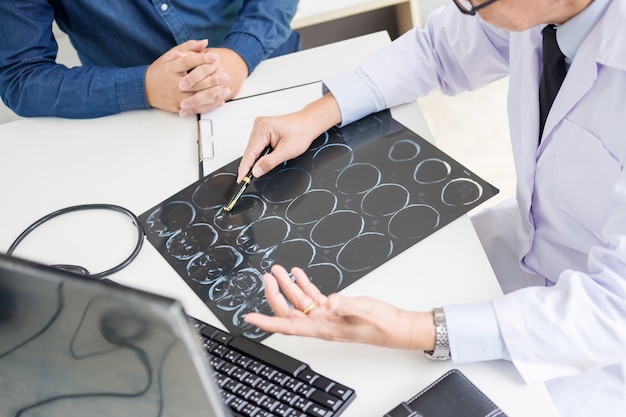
[559, 250]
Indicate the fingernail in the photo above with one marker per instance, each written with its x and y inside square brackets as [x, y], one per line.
[257, 172]
[183, 85]
[224, 77]
[183, 113]
[225, 93]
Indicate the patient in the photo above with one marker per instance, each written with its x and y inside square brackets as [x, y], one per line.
[183, 56]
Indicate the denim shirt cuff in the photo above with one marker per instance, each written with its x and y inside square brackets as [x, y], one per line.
[247, 46]
[130, 89]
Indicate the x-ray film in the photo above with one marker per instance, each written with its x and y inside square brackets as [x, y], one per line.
[358, 197]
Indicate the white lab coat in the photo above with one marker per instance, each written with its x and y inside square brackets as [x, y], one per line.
[571, 333]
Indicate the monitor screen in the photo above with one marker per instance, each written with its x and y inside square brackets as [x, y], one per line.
[71, 346]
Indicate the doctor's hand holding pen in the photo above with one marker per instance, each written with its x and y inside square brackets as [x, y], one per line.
[288, 135]
[304, 311]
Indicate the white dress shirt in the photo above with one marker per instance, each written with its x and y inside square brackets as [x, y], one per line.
[571, 192]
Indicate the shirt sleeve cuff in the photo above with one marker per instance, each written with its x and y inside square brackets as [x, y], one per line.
[247, 46]
[356, 96]
[130, 89]
[474, 333]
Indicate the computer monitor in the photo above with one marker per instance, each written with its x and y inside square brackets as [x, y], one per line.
[74, 346]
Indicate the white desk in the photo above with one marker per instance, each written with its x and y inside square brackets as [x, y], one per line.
[138, 159]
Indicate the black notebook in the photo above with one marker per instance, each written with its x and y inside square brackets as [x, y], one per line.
[452, 395]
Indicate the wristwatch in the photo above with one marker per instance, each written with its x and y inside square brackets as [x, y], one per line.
[442, 343]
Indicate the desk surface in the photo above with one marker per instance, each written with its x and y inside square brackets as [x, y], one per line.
[137, 159]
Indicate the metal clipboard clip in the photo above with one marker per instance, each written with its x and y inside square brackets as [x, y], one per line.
[206, 149]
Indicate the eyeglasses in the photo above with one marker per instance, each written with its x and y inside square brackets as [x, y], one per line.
[466, 7]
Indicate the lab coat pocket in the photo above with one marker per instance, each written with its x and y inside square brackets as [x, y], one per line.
[585, 173]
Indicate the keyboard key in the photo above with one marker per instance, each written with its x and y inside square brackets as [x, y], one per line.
[323, 383]
[319, 411]
[239, 374]
[219, 350]
[231, 355]
[292, 384]
[270, 404]
[227, 368]
[217, 362]
[305, 390]
[326, 400]
[282, 410]
[211, 345]
[308, 376]
[276, 391]
[267, 373]
[221, 379]
[251, 379]
[248, 410]
[257, 397]
[222, 337]
[243, 391]
[255, 367]
[295, 413]
[279, 378]
[243, 361]
[342, 392]
[208, 331]
[302, 404]
[236, 402]
[289, 397]
[231, 385]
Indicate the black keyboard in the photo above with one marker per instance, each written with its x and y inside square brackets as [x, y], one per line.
[258, 381]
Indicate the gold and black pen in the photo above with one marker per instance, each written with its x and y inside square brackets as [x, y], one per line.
[244, 184]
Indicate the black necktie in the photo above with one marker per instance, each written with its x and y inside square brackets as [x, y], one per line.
[553, 74]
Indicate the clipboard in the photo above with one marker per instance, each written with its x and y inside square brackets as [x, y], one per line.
[223, 132]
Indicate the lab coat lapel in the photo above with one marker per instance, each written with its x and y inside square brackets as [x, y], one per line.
[524, 110]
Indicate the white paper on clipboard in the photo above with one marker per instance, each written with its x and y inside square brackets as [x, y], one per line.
[228, 127]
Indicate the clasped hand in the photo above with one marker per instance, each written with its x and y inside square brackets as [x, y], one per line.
[191, 78]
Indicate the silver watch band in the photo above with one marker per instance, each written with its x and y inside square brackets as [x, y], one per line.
[442, 343]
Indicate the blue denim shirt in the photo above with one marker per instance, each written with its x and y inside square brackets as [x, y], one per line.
[116, 41]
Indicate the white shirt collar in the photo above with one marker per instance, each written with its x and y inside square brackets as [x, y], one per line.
[571, 34]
